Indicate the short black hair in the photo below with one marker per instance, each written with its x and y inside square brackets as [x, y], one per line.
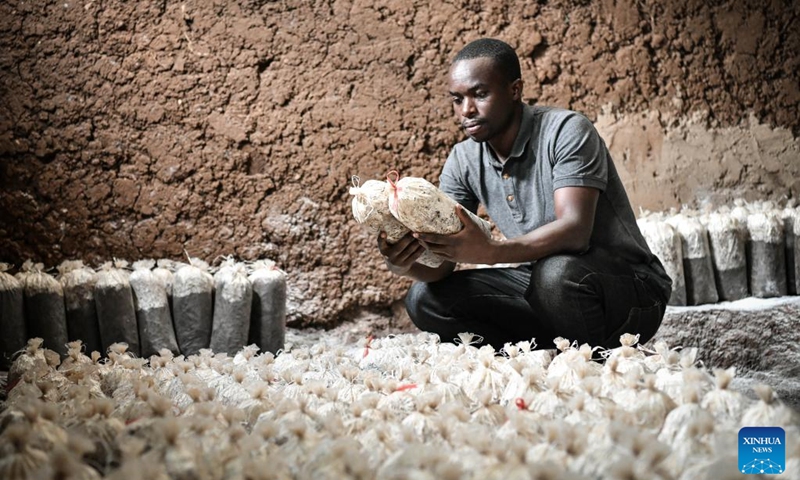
[500, 52]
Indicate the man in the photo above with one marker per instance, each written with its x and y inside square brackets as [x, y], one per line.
[547, 181]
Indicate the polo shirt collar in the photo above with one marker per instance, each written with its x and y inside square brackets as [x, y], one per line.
[523, 136]
[525, 132]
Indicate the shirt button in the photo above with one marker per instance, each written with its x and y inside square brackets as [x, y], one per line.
[505, 176]
[510, 198]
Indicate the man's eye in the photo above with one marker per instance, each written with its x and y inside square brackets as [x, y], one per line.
[457, 100]
[481, 94]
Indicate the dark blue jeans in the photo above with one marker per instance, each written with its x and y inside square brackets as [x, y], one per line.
[590, 298]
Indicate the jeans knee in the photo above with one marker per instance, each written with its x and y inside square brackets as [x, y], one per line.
[551, 275]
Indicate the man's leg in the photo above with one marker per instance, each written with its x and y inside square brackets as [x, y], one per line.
[594, 298]
[489, 302]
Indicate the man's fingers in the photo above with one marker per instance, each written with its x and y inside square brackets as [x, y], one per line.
[403, 253]
[387, 248]
[438, 249]
[430, 239]
[422, 242]
[410, 254]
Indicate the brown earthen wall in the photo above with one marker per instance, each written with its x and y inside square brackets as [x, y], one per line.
[143, 129]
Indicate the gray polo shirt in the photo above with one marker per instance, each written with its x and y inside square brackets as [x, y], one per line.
[554, 148]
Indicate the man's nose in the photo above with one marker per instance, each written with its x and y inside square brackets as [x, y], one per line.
[468, 108]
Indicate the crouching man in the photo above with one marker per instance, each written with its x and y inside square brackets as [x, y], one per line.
[548, 182]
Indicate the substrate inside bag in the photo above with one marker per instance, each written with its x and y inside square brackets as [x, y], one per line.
[371, 208]
[268, 316]
[12, 317]
[192, 302]
[78, 282]
[727, 237]
[153, 315]
[422, 207]
[116, 313]
[233, 302]
[165, 270]
[697, 266]
[796, 256]
[767, 271]
[791, 223]
[45, 313]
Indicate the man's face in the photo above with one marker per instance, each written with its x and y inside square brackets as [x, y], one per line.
[483, 100]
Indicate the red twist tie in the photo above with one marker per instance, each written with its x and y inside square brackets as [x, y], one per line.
[393, 174]
[520, 402]
[393, 183]
[366, 347]
[407, 386]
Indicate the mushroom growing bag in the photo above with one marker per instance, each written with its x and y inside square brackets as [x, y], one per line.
[78, 282]
[268, 315]
[697, 266]
[192, 302]
[422, 207]
[791, 227]
[45, 314]
[768, 257]
[796, 250]
[165, 270]
[233, 302]
[116, 313]
[12, 317]
[371, 209]
[728, 245]
[152, 310]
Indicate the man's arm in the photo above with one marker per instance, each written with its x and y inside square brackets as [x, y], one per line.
[569, 233]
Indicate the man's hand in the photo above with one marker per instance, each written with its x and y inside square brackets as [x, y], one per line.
[401, 256]
[470, 245]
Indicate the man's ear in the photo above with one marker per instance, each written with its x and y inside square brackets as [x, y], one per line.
[516, 89]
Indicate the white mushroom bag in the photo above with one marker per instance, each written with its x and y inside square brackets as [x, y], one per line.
[423, 208]
[371, 209]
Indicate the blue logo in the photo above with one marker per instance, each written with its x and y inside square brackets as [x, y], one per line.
[762, 450]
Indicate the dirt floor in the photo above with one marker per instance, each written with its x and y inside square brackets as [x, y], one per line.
[232, 128]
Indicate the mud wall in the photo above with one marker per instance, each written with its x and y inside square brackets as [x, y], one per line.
[143, 129]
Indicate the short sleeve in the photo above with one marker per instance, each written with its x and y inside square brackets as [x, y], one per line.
[453, 183]
[580, 158]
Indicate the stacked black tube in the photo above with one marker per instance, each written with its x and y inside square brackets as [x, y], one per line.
[729, 253]
[181, 307]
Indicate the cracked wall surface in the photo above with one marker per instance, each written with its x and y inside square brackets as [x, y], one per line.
[143, 129]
